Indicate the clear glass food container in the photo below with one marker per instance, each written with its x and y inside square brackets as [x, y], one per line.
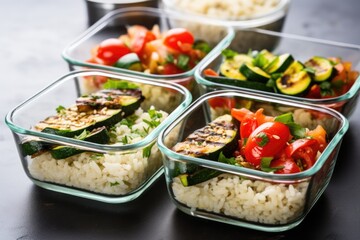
[302, 49]
[245, 196]
[238, 15]
[116, 22]
[113, 171]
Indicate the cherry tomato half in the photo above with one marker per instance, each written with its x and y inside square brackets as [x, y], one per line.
[110, 50]
[176, 37]
[287, 165]
[247, 126]
[266, 140]
[222, 102]
[305, 150]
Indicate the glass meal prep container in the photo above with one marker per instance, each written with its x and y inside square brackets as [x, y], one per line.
[301, 50]
[240, 195]
[98, 145]
[118, 22]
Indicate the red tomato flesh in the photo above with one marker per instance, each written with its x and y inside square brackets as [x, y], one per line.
[176, 37]
[110, 50]
[266, 140]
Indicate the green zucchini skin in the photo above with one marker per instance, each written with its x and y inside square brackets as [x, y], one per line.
[295, 84]
[238, 83]
[254, 73]
[280, 63]
[99, 135]
[230, 66]
[220, 135]
[322, 66]
[126, 99]
[34, 147]
[88, 121]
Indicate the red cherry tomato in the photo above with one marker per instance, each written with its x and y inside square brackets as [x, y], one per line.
[222, 102]
[247, 126]
[304, 150]
[170, 68]
[266, 140]
[287, 165]
[139, 40]
[176, 37]
[110, 50]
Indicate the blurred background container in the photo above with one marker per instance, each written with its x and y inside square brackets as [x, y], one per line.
[98, 8]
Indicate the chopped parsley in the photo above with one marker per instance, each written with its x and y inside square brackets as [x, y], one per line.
[60, 109]
[262, 139]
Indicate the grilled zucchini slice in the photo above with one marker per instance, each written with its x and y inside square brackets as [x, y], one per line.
[280, 63]
[254, 73]
[99, 135]
[71, 123]
[243, 84]
[127, 99]
[230, 67]
[220, 135]
[294, 84]
[323, 68]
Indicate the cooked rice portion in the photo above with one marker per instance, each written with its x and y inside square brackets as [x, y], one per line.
[228, 9]
[114, 173]
[250, 200]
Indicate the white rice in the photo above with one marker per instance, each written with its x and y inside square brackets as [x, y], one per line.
[115, 173]
[227, 9]
[250, 200]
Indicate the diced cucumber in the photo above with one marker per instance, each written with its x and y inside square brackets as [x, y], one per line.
[129, 61]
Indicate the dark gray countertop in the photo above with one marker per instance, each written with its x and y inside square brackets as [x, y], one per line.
[33, 34]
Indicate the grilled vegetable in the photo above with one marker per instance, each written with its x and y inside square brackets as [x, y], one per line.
[127, 99]
[280, 63]
[243, 84]
[99, 135]
[34, 147]
[322, 67]
[293, 84]
[253, 73]
[230, 67]
[71, 123]
[218, 136]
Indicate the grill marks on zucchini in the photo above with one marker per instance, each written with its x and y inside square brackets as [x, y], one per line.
[207, 142]
[88, 120]
[274, 73]
[214, 141]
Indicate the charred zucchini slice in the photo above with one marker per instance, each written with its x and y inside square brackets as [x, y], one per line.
[230, 67]
[294, 67]
[126, 99]
[293, 84]
[280, 63]
[322, 67]
[254, 73]
[99, 135]
[243, 84]
[71, 123]
[220, 135]
[129, 61]
[34, 147]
